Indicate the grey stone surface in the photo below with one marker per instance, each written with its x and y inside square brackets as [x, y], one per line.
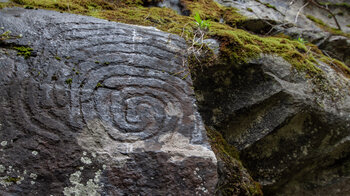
[274, 16]
[96, 109]
[337, 47]
[284, 11]
[287, 12]
[172, 4]
[213, 44]
[292, 130]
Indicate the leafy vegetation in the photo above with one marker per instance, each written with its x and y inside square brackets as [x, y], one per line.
[203, 24]
[301, 40]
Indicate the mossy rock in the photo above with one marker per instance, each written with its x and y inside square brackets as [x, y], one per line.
[23, 51]
[237, 46]
[234, 179]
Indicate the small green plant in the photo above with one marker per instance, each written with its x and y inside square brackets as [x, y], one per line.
[7, 35]
[98, 85]
[301, 40]
[69, 81]
[202, 24]
[58, 58]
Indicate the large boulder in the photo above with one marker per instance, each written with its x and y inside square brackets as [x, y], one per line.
[292, 129]
[299, 19]
[91, 107]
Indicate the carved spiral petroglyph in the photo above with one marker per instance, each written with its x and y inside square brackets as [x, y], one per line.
[132, 102]
[121, 78]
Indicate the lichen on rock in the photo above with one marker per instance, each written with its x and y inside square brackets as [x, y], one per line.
[91, 188]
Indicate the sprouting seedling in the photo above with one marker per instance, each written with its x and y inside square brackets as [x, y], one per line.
[301, 40]
[202, 24]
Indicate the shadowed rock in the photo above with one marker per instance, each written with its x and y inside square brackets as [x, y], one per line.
[292, 130]
[97, 108]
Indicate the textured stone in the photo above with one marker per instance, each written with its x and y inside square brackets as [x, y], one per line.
[337, 47]
[172, 4]
[287, 12]
[96, 109]
[292, 130]
[274, 17]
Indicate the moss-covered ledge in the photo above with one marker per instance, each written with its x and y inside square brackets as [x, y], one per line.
[237, 46]
[234, 178]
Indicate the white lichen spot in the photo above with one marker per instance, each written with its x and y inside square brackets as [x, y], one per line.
[3, 143]
[81, 168]
[91, 188]
[86, 160]
[2, 169]
[9, 170]
[33, 176]
[104, 167]
[97, 176]
[20, 179]
[32, 182]
[5, 182]
[93, 154]
[34, 153]
[84, 153]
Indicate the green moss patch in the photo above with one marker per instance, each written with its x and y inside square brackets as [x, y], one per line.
[331, 4]
[269, 6]
[23, 51]
[326, 27]
[237, 46]
[12, 179]
[232, 182]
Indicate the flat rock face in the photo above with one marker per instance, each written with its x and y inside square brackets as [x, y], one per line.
[97, 108]
[292, 130]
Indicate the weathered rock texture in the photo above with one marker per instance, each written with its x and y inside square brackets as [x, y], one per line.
[291, 18]
[97, 108]
[292, 130]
